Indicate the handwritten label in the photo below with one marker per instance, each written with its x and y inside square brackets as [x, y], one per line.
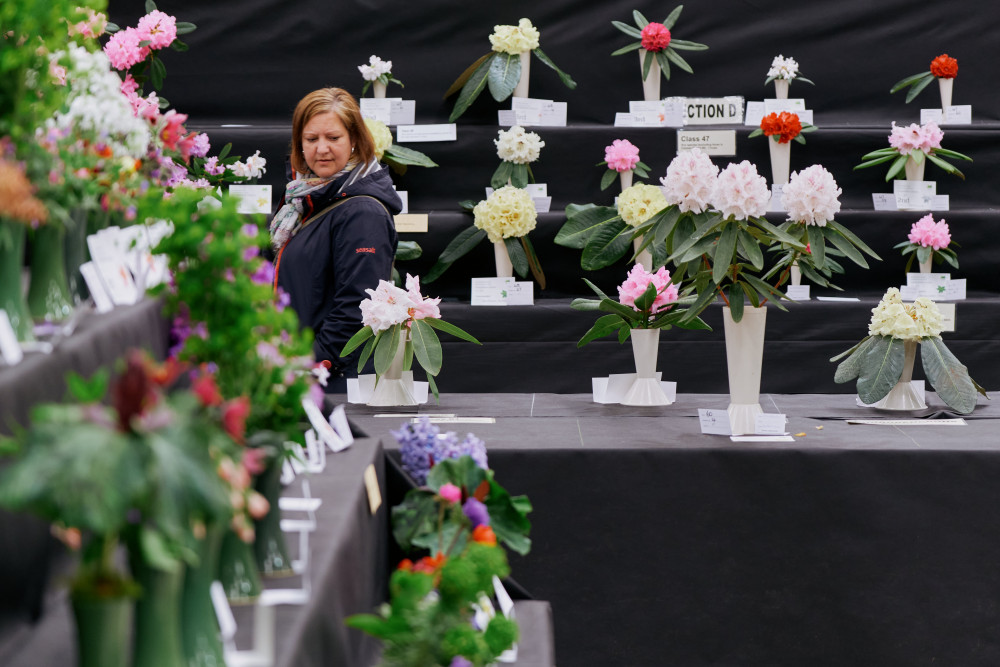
[546, 113]
[252, 198]
[714, 422]
[376, 109]
[371, 486]
[957, 114]
[884, 201]
[712, 142]
[913, 195]
[435, 132]
[521, 293]
[411, 222]
[776, 205]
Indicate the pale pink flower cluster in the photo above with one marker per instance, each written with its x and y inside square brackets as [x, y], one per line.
[639, 279]
[740, 192]
[159, 28]
[423, 306]
[621, 155]
[812, 196]
[915, 137]
[389, 305]
[93, 26]
[928, 233]
[156, 27]
[690, 180]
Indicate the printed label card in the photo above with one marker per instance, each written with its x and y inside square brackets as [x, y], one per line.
[419, 133]
[713, 110]
[377, 109]
[913, 195]
[252, 198]
[957, 114]
[798, 292]
[712, 142]
[491, 291]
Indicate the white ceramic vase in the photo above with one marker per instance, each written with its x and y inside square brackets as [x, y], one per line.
[796, 274]
[781, 155]
[744, 355]
[927, 266]
[781, 89]
[914, 171]
[504, 267]
[625, 177]
[651, 84]
[946, 86]
[645, 389]
[645, 257]
[392, 388]
[903, 396]
[521, 89]
[378, 90]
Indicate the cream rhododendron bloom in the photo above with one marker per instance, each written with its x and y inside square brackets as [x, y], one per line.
[639, 203]
[380, 135]
[927, 317]
[891, 317]
[515, 39]
[517, 146]
[508, 212]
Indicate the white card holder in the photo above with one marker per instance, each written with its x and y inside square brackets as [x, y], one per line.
[262, 653]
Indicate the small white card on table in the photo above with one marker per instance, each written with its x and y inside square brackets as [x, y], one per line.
[913, 195]
[411, 222]
[252, 198]
[798, 292]
[10, 349]
[435, 132]
[957, 114]
[714, 422]
[770, 424]
[712, 142]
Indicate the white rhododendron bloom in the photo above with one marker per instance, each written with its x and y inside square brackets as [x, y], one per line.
[381, 135]
[387, 306]
[639, 203]
[517, 146]
[508, 212]
[690, 180]
[783, 68]
[375, 68]
[740, 192]
[255, 165]
[515, 38]
[812, 196]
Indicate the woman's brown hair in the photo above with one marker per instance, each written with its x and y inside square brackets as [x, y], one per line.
[343, 104]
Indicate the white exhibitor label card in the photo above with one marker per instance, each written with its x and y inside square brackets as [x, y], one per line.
[252, 198]
[404, 197]
[776, 205]
[673, 112]
[118, 282]
[97, 290]
[754, 114]
[798, 292]
[714, 422]
[647, 114]
[939, 203]
[913, 195]
[376, 109]
[433, 132]
[884, 201]
[794, 105]
[326, 432]
[412, 223]
[521, 293]
[554, 114]
[711, 142]
[958, 114]
[713, 110]
[401, 112]
[490, 291]
[770, 424]
[947, 311]
[623, 119]
[10, 349]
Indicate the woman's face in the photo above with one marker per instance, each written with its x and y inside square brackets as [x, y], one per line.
[326, 145]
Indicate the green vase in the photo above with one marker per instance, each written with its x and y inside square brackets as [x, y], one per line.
[269, 545]
[12, 236]
[48, 295]
[76, 254]
[199, 625]
[102, 631]
[158, 617]
[238, 570]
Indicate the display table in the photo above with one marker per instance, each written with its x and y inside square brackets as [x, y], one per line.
[657, 545]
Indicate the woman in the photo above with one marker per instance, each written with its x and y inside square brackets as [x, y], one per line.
[334, 234]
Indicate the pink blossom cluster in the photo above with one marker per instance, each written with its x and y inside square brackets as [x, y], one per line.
[690, 180]
[915, 137]
[639, 279]
[930, 234]
[156, 28]
[93, 26]
[388, 305]
[621, 155]
[740, 192]
[655, 36]
[812, 196]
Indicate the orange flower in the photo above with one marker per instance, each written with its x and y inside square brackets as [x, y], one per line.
[483, 534]
[429, 564]
[944, 67]
[786, 125]
[405, 564]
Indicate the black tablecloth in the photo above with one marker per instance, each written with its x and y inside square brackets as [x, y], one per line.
[657, 545]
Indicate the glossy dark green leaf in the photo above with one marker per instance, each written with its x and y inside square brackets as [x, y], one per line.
[581, 222]
[426, 346]
[475, 84]
[606, 245]
[517, 257]
[566, 79]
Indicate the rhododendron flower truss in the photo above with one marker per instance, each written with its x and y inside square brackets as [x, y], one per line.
[917, 143]
[133, 50]
[621, 156]
[658, 42]
[942, 67]
[783, 127]
[929, 240]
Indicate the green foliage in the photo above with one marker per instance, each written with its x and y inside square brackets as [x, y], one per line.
[827, 245]
[915, 83]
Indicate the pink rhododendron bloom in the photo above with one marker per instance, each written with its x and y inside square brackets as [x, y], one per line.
[159, 28]
[740, 192]
[129, 86]
[812, 196]
[621, 155]
[173, 128]
[212, 166]
[57, 72]
[930, 234]
[123, 49]
[915, 137]
[450, 493]
[201, 145]
[655, 37]
[639, 279]
[690, 180]
[424, 306]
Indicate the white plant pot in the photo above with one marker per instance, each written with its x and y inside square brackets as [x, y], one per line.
[946, 86]
[625, 177]
[781, 156]
[744, 355]
[926, 267]
[504, 267]
[645, 257]
[903, 396]
[646, 388]
[378, 90]
[521, 89]
[391, 388]
[651, 84]
[796, 274]
[781, 89]
[914, 171]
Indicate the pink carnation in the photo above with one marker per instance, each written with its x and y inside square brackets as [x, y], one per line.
[655, 37]
[621, 155]
[930, 234]
[123, 49]
[159, 28]
[915, 137]
[637, 282]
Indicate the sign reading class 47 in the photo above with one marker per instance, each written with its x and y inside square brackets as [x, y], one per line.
[713, 110]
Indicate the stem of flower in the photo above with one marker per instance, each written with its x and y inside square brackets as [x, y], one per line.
[441, 525]
[454, 540]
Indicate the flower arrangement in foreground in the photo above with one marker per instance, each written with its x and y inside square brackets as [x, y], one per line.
[395, 318]
[914, 143]
[461, 516]
[657, 41]
[517, 149]
[928, 241]
[645, 301]
[785, 69]
[377, 71]
[812, 199]
[396, 156]
[621, 156]
[877, 362]
[783, 127]
[506, 216]
[500, 69]
[942, 67]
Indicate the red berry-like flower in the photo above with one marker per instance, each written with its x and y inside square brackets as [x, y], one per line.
[483, 534]
[655, 37]
[944, 67]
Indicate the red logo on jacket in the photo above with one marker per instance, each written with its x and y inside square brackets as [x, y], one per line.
[369, 250]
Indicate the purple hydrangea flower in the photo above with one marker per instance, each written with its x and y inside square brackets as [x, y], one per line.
[476, 511]
[451, 448]
[264, 275]
[460, 661]
[416, 446]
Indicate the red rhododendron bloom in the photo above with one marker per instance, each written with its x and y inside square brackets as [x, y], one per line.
[944, 67]
[786, 125]
[206, 390]
[234, 417]
[483, 534]
[655, 37]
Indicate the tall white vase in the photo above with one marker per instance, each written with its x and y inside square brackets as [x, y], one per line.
[781, 89]
[744, 355]
[645, 389]
[505, 269]
[651, 84]
[392, 388]
[625, 177]
[946, 86]
[903, 396]
[645, 257]
[521, 89]
[927, 266]
[781, 156]
[378, 90]
[796, 274]
[914, 171]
